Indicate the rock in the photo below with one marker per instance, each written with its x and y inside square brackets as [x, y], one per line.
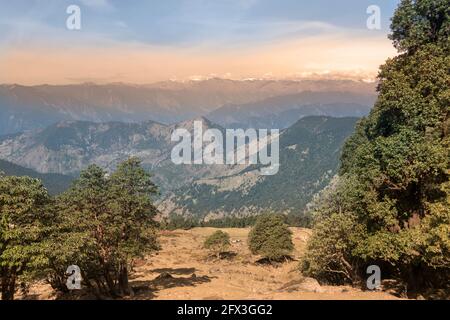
[302, 285]
[310, 285]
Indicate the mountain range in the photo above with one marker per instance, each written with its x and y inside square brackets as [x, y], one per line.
[229, 103]
[280, 112]
[53, 132]
[309, 153]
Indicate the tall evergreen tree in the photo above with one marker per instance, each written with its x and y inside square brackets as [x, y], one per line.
[391, 205]
[23, 225]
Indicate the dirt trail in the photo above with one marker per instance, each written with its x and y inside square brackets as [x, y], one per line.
[184, 270]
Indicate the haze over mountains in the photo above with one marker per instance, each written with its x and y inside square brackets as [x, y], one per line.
[280, 112]
[266, 103]
[57, 131]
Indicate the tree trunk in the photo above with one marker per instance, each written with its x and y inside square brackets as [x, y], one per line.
[110, 283]
[415, 279]
[8, 285]
[124, 285]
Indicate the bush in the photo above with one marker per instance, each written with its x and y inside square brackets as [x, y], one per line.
[271, 238]
[217, 243]
[328, 256]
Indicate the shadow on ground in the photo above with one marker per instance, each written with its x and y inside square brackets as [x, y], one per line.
[165, 280]
[177, 271]
[275, 262]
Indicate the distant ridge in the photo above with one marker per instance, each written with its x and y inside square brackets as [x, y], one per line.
[54, 182]
[24, 108]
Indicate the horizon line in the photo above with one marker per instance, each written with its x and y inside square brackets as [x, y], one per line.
[185, 81]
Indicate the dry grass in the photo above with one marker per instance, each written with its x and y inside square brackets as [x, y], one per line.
[184, 270]
[238, 277]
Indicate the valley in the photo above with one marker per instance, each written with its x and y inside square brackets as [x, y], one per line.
[309, 150]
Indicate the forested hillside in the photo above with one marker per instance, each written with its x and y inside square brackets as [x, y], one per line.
[309, 158]
[54, 182]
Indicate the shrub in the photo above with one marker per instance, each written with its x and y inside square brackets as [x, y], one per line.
[217, 243]
[328, 256]
[271, 238]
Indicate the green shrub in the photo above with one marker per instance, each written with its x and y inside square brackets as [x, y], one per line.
[217, 243]
[328, 257]
[271, 238]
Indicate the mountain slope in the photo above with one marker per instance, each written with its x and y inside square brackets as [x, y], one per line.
[70, 146]
[309, 152]
[309, 158]
[55, 183]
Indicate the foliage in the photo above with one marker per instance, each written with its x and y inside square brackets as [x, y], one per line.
[271, 237]
[23, 224]
[418, 22]
[104, 224]
[328, 255]
[175, 222]
[336, 234]
[391, 205]
[231, 222]
[218, 242]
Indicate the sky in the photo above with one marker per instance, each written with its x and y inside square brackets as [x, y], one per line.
[139, 41]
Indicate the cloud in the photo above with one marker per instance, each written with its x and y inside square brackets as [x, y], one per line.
[201, 38]
[137, 63]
